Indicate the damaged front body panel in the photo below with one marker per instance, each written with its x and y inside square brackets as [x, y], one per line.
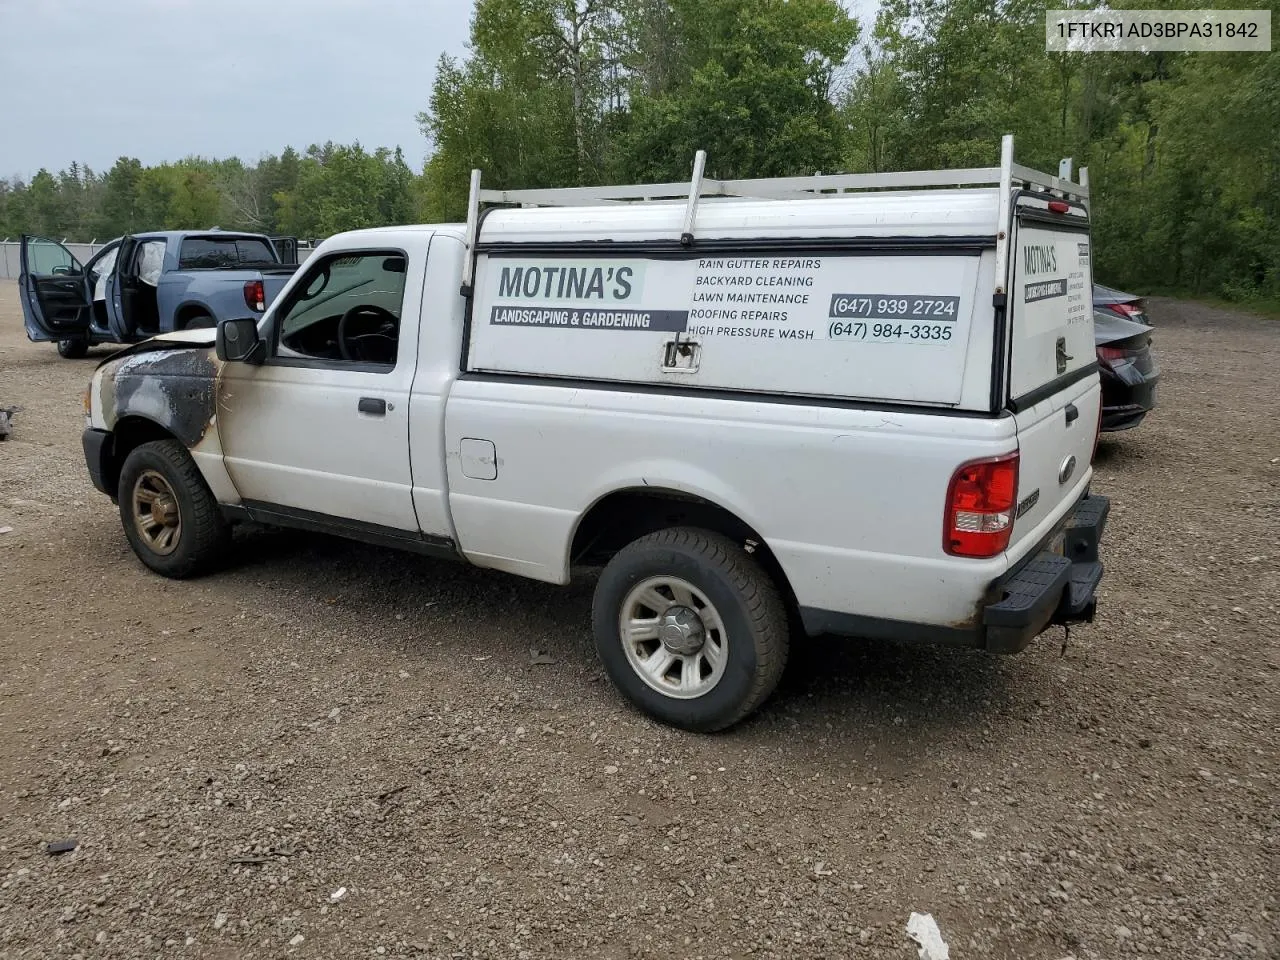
[163, 387]
[174, 388]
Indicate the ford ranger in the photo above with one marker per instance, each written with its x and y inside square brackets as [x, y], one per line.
[835, 405]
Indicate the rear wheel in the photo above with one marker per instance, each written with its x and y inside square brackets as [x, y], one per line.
[74, 349]
[198, 321]
[690, 628]
[170, 517]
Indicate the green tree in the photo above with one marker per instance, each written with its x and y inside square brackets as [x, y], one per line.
[118, 209]
[529, 106]
[965, 72]
[752, 87]
[345, 188]
[78, 190]
[12, 212]
[45, 209]
[178, 196]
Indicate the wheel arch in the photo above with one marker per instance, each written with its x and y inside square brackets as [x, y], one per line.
[625, 514]
[189, 310]
[129, 433]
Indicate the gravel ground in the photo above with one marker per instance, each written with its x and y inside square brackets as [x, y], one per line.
[233, 753]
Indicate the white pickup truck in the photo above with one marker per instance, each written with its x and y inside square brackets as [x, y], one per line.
[863, 405]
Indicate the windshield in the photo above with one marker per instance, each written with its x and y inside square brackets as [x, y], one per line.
[201, 253]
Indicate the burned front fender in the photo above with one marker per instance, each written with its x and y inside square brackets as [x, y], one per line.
[174, 388]
[164, 387]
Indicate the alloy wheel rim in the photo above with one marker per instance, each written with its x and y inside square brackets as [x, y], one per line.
[156, 515]
[673, 637]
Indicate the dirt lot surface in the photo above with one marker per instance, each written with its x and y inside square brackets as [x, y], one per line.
[233, 753]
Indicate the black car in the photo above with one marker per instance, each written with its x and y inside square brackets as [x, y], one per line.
[1117, 303]
[1129, 372]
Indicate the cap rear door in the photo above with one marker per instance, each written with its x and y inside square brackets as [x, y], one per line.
[1053, 381]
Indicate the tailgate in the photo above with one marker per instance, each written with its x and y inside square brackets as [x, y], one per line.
[1055, 447]
[1053, 383]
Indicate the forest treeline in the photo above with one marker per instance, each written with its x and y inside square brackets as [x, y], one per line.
[1183, 148]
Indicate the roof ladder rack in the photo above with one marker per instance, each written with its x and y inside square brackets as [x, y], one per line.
[1002, 216]
[1006, 176]
[695, 191]
[473, 231]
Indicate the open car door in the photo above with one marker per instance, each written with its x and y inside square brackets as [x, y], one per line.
[115, 286]
[54, 291]
[286, 249]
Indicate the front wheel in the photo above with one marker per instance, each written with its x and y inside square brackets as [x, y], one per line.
[170, 516]
[690, 628]
[74, 349]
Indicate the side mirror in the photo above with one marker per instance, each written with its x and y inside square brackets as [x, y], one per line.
[61, 270]
[237, 341]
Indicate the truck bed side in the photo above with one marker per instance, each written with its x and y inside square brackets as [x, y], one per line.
[823, 486]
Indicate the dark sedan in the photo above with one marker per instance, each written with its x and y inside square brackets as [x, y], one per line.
[1128, 369]
[1117, 303]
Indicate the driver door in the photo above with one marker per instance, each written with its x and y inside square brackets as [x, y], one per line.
[54, 291]
[318, 434]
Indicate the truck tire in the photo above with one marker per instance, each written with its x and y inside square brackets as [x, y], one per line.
[74, 349]
[169, 514]
[690, 628]
[199, 321]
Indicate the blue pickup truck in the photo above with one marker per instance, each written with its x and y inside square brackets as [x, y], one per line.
[148, 283]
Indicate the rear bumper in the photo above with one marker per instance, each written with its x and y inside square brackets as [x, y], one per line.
[97, 457]
[1052, 587]
[1048, 587]
[1124, 417]
[1128, 392]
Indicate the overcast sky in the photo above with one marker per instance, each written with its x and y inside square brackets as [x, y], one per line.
[158, 80]
[92, 81]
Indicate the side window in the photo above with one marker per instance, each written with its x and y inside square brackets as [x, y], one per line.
[345, 309]
[45, 258]
[212, 253]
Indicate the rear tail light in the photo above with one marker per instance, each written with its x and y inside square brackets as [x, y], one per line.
[1112, 353]
[255, 297]
[1127, 309]
[1059, 206]
[981, 500]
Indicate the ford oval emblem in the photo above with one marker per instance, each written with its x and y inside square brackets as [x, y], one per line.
[1067, 469]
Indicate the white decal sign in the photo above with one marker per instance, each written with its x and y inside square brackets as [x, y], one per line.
[864, 307]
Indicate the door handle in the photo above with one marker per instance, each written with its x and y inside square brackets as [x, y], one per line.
[373, 405]
[1072, 413]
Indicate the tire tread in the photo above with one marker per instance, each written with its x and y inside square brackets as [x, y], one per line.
[206, 531]
[766, 610]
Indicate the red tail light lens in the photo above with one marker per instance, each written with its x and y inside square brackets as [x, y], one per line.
[1059, 206]
[255, 297]
[1112, 353]
[981, 500]
[1127, 309]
